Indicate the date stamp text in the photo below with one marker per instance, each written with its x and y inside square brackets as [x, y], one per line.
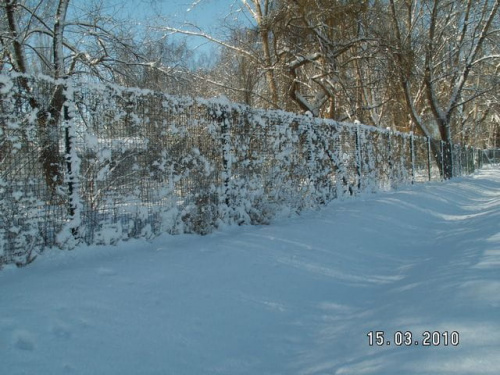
[408, 338]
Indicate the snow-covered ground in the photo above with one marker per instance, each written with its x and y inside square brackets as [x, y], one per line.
[295, 297]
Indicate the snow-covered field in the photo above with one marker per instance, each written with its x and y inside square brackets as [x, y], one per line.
[295, 297]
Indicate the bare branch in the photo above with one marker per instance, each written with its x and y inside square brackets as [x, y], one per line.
[211, 39]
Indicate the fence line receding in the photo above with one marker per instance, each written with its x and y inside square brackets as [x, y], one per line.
[138, 163]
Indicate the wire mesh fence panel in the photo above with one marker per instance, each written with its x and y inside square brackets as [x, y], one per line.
[330, 155]
[490, 156]
[470, 160]
[457, 160]
[31, 213]
[376, 162]
[349, 167]
[109, 163]
[422, 159]
[400, 159]
[329, 169]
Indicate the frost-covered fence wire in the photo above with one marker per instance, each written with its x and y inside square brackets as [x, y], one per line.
[491, 156]
[137, 163]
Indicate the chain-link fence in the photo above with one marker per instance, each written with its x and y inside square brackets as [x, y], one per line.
[136, 163]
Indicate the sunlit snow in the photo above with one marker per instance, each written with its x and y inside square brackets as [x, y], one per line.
[298, 296]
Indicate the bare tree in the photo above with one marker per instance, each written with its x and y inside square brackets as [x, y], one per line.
[326, 44]
[38, 36]
[430, 66]
[306, 55]
[235, 75]
[251, 47]
[438, 46]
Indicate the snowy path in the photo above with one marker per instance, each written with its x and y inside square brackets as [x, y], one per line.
[296, 297]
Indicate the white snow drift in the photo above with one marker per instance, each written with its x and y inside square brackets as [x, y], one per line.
[296, 297]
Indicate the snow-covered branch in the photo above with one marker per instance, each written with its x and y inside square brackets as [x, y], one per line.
[210, 38]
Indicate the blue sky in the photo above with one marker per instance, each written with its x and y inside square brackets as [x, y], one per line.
[209, 15]
[202, 12]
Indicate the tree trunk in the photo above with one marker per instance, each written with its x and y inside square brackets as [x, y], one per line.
[443, 155]
[48, 117]
[48, 130]
[261, 18]
[447, 156]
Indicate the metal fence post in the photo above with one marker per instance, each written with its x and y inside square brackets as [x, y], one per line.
[429, 163]
[442, 160]
[412, 156]
[460, 161]
[226, 155]
[467, 169]
[358, 157]
[72, 162]
[474, 159]
[471, 159]
[389, 146]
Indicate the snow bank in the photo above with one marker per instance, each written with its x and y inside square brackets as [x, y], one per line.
[295, 297]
